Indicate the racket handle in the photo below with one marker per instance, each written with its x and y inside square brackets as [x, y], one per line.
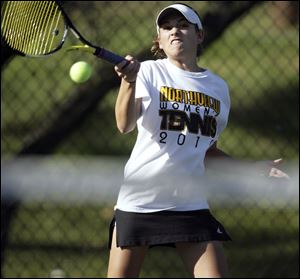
[108, 56]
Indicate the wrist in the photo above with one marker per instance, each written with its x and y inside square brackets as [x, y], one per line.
[129, 81]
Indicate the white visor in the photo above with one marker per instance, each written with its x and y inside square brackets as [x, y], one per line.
[189, 14]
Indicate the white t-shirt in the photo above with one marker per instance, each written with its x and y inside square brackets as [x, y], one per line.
[183, 114]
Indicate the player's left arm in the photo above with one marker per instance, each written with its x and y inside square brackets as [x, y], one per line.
[216, 158]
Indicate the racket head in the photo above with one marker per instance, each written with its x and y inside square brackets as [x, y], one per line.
[33, 28]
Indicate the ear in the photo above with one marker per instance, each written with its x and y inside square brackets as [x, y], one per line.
[158, 41]
[200, 36]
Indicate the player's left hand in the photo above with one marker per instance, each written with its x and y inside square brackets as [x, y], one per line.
[275, 172]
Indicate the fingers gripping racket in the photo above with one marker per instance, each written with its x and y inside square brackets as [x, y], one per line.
[39, 28]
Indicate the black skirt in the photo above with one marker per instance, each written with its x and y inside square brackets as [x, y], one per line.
[165, 228]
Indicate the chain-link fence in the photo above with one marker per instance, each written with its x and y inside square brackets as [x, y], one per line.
[253, 45]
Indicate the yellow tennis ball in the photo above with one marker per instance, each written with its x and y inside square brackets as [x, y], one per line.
[80, 71]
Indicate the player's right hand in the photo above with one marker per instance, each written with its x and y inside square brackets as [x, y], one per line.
[128, 69]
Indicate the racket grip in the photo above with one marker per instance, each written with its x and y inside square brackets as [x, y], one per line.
[108, 56]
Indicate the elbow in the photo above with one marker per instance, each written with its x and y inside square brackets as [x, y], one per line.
[124, 123]
[123, 129]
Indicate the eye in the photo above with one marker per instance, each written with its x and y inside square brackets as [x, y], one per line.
[166, 26]
[184, 24]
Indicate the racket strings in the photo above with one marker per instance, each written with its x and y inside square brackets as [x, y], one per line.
[32, 27]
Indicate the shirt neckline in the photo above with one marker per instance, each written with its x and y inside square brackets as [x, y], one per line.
[187, 73]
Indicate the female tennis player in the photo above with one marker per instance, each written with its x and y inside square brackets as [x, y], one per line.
[180, 110]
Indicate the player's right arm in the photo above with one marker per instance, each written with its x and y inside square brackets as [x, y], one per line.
[127, 108]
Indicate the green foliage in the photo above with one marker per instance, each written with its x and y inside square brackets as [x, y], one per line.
[260, 62]
[257, 59]
[75, 238]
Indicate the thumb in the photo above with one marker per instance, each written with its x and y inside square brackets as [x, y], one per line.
[277, 162]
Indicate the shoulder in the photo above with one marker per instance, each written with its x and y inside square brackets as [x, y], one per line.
[153, 64]
[218, 81]
[150, 68]
[220, 86]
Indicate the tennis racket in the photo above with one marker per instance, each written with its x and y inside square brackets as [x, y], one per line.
[39, 28]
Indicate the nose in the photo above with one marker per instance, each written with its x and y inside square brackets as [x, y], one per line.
[174, 29]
